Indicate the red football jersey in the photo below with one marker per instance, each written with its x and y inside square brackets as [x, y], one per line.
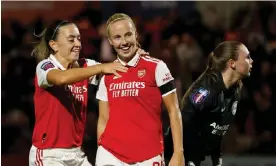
[60, 111]
[134, 130]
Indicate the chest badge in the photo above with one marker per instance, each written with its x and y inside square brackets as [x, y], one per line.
[141, 73]
[200, 95]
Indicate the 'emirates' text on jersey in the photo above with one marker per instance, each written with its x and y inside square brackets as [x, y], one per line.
[60, 111]
[134, 129]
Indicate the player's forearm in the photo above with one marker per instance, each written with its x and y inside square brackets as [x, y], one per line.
[100, 128]
[176, 128]
[73, 75]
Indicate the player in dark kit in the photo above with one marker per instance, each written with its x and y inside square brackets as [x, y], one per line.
[209, 106]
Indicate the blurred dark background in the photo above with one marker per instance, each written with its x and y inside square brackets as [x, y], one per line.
[180, 33]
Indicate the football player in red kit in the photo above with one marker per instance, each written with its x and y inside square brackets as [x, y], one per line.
[60, 97]
[129, 125]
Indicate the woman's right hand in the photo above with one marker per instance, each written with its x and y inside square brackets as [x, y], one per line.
[113, 68]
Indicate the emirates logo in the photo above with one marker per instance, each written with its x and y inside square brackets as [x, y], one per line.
[141, 73]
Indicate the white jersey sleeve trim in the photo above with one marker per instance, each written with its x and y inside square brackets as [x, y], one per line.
[162, 74]
[170, 92]
[92, 80]
[102, 91]
[42, 70]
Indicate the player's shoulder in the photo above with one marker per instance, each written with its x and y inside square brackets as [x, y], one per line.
[210, 81]
[203, 89]
[45, 64]
[154, 63]
[44, 61]
[199, 94]
[89, 62]
[151, 60]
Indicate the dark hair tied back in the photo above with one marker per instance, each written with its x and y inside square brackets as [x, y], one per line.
[42, 49]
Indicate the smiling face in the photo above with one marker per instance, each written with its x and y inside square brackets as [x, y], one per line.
[123, 37]
[67, 43]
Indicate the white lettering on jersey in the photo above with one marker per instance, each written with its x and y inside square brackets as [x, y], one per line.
[77, 91]
[125, 89]
[127, 85]
[219, 130]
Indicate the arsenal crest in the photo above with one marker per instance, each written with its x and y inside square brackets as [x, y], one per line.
[141, 73]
